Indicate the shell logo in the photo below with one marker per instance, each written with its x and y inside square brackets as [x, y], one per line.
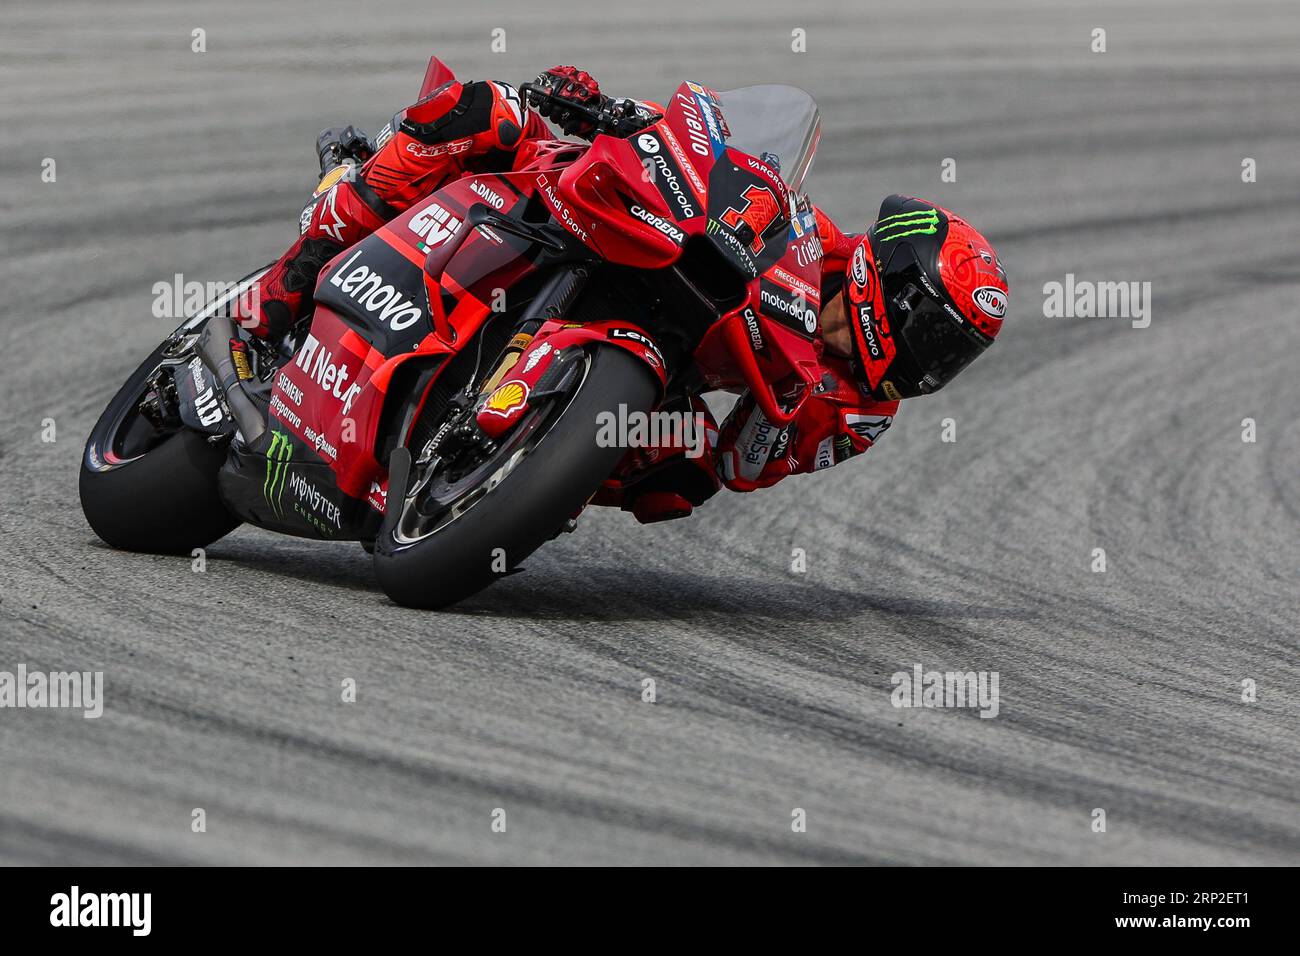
[331, 179]
[507, 397]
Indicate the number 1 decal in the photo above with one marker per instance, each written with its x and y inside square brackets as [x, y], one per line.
[761, 207]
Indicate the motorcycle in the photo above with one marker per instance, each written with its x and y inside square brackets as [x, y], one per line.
[439, 404]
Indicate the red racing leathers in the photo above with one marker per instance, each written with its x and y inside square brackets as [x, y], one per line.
[475, 127]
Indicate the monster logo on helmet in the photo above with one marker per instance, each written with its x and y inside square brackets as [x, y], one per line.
[940, 298]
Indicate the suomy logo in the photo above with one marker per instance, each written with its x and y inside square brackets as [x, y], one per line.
[991, 300]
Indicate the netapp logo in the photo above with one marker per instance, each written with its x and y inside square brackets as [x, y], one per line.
[75, 909]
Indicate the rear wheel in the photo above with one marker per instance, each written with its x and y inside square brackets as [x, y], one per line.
[454, 534]
[147, 487]
[148, 483]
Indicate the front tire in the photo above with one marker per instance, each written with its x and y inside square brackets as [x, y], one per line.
[550, 483]
[150, 492]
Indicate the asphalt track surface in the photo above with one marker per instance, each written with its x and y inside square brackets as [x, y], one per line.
[1120, 690]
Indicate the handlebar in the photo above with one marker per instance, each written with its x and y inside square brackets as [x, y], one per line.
[616, 117]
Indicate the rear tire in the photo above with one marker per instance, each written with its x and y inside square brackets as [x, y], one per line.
[529, 505]
[163, 501]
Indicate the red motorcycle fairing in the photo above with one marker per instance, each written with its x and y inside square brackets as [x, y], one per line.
[424, 284]
[636, 201]
[509, 400]
[378, 308]
[772, 337]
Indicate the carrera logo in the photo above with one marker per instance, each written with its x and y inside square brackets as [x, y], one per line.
[991, 300]
[663, 225]
[375, 294]
[755, 333]
[507, 397]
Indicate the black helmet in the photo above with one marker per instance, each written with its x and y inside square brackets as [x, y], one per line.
[926, 295]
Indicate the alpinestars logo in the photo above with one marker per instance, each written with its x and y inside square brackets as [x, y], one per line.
[334, 227]
[278, 457]
[870, 427]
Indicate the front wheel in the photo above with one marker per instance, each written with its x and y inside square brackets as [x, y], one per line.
[150, 488]
[542, 473]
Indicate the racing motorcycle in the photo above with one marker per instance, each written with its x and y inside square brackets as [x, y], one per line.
[439, 403]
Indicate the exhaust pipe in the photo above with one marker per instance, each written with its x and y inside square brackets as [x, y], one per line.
[214, 350]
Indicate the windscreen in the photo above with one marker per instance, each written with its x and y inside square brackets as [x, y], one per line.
[778, 124]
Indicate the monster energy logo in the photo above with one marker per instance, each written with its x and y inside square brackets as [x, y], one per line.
[277, 466]
[924, 222]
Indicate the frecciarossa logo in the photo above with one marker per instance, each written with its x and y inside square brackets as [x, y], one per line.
[375, 294]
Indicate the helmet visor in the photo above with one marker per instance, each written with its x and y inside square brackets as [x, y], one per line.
[939, 340]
